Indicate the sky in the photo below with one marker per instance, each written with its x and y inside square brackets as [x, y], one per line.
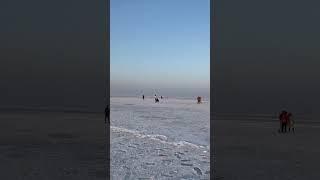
[267, 57]
[160, 44]
[52, 54]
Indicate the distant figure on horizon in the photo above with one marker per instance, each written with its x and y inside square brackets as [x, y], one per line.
[107, 114]
[199, 99]
[283, 118]
[143, 96]
[156, 98]
[161, 97]
[290, 122]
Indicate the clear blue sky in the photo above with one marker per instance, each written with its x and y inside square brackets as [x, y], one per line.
[160, 44]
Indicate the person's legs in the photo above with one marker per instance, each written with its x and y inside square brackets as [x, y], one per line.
[285, 127]
[280, 126]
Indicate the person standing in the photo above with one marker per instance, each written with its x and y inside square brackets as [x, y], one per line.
[143, 96]
[283, 121]
[280, 122]
[199, 99]
[107, 114]
[290, 122]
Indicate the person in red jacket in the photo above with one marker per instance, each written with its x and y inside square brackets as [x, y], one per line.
[283, 121]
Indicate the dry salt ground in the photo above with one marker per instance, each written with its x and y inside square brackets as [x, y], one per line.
[166, 140]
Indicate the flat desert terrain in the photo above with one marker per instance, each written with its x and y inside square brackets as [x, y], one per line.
[52, 145]
[251, 148]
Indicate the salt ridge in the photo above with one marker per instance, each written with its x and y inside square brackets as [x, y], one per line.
[157, 137]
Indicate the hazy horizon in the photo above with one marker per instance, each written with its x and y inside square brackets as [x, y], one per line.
[165, 92]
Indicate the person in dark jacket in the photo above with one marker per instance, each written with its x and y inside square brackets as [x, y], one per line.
[156, 98]
[198, 99]
[107, 114]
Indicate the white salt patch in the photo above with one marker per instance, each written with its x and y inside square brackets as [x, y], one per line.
[157, 137]
[163, 140]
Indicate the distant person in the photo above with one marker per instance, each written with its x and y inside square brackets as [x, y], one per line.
[161, 97]
[107, 114]
[155, 98]
[283, 118]
[199, 99]
[143, 96]
[290, 122]
[280, 117]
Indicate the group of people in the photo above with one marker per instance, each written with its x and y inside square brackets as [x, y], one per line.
[156, 99]
[286, 122]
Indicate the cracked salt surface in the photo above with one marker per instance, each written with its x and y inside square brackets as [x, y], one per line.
[148, 142]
